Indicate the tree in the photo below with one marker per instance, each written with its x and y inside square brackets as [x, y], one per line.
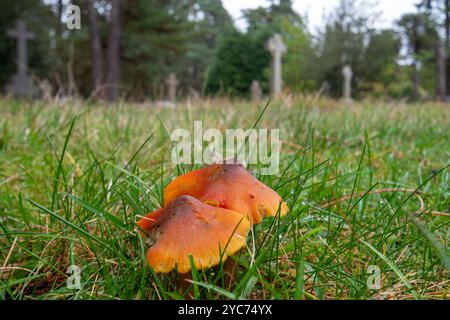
[380, 70]
[113, 59]
[210, 20]
[439, 10]
[421, 37]
[299, 60]
[96, 49]
[269, 17]
[343, 42]
[348, 38]
[240, 58]
[245, 52]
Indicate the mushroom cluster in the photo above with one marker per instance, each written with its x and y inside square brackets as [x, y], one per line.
[207, 214]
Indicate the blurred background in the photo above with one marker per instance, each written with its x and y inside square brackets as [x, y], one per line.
[128, 49]
[87, 150]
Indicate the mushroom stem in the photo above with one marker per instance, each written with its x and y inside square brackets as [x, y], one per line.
[186, 289]
[184, 284]
[229, 270]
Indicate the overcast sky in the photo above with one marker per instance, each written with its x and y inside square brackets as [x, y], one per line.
[391, 9]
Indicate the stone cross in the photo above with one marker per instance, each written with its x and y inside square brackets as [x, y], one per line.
[22, 35]
[277, 48]
[172, 83]
[347, 73]
[256, 91]
[21, 83]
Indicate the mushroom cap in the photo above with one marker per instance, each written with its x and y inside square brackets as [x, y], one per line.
[229, 186]
[147, 222]
[187, 227]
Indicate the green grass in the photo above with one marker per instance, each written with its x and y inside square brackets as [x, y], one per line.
[75, 178]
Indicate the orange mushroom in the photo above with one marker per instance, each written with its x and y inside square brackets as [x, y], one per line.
[229, 186]
[188, 227]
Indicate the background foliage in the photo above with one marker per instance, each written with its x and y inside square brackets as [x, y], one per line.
[200, 42]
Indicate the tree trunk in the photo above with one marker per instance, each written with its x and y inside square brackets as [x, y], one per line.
[113, 52]
[447, 23]
[59, 13]
[417, 47]
[71, 87]
[415, 80]
[96, 50]
[447, 42]
[442, 70]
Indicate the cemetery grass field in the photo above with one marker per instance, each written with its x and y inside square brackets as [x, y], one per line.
[367, 185]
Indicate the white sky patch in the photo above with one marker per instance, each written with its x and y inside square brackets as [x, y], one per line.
[316, 9]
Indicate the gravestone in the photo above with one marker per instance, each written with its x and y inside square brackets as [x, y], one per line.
[193, 94]
[325, 88]
[347, 73]
[172, 83]
[277, 48]
[21, 83]
[46, 90]
[256, 91]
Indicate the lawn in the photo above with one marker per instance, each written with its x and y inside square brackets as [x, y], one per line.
[367, 185]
